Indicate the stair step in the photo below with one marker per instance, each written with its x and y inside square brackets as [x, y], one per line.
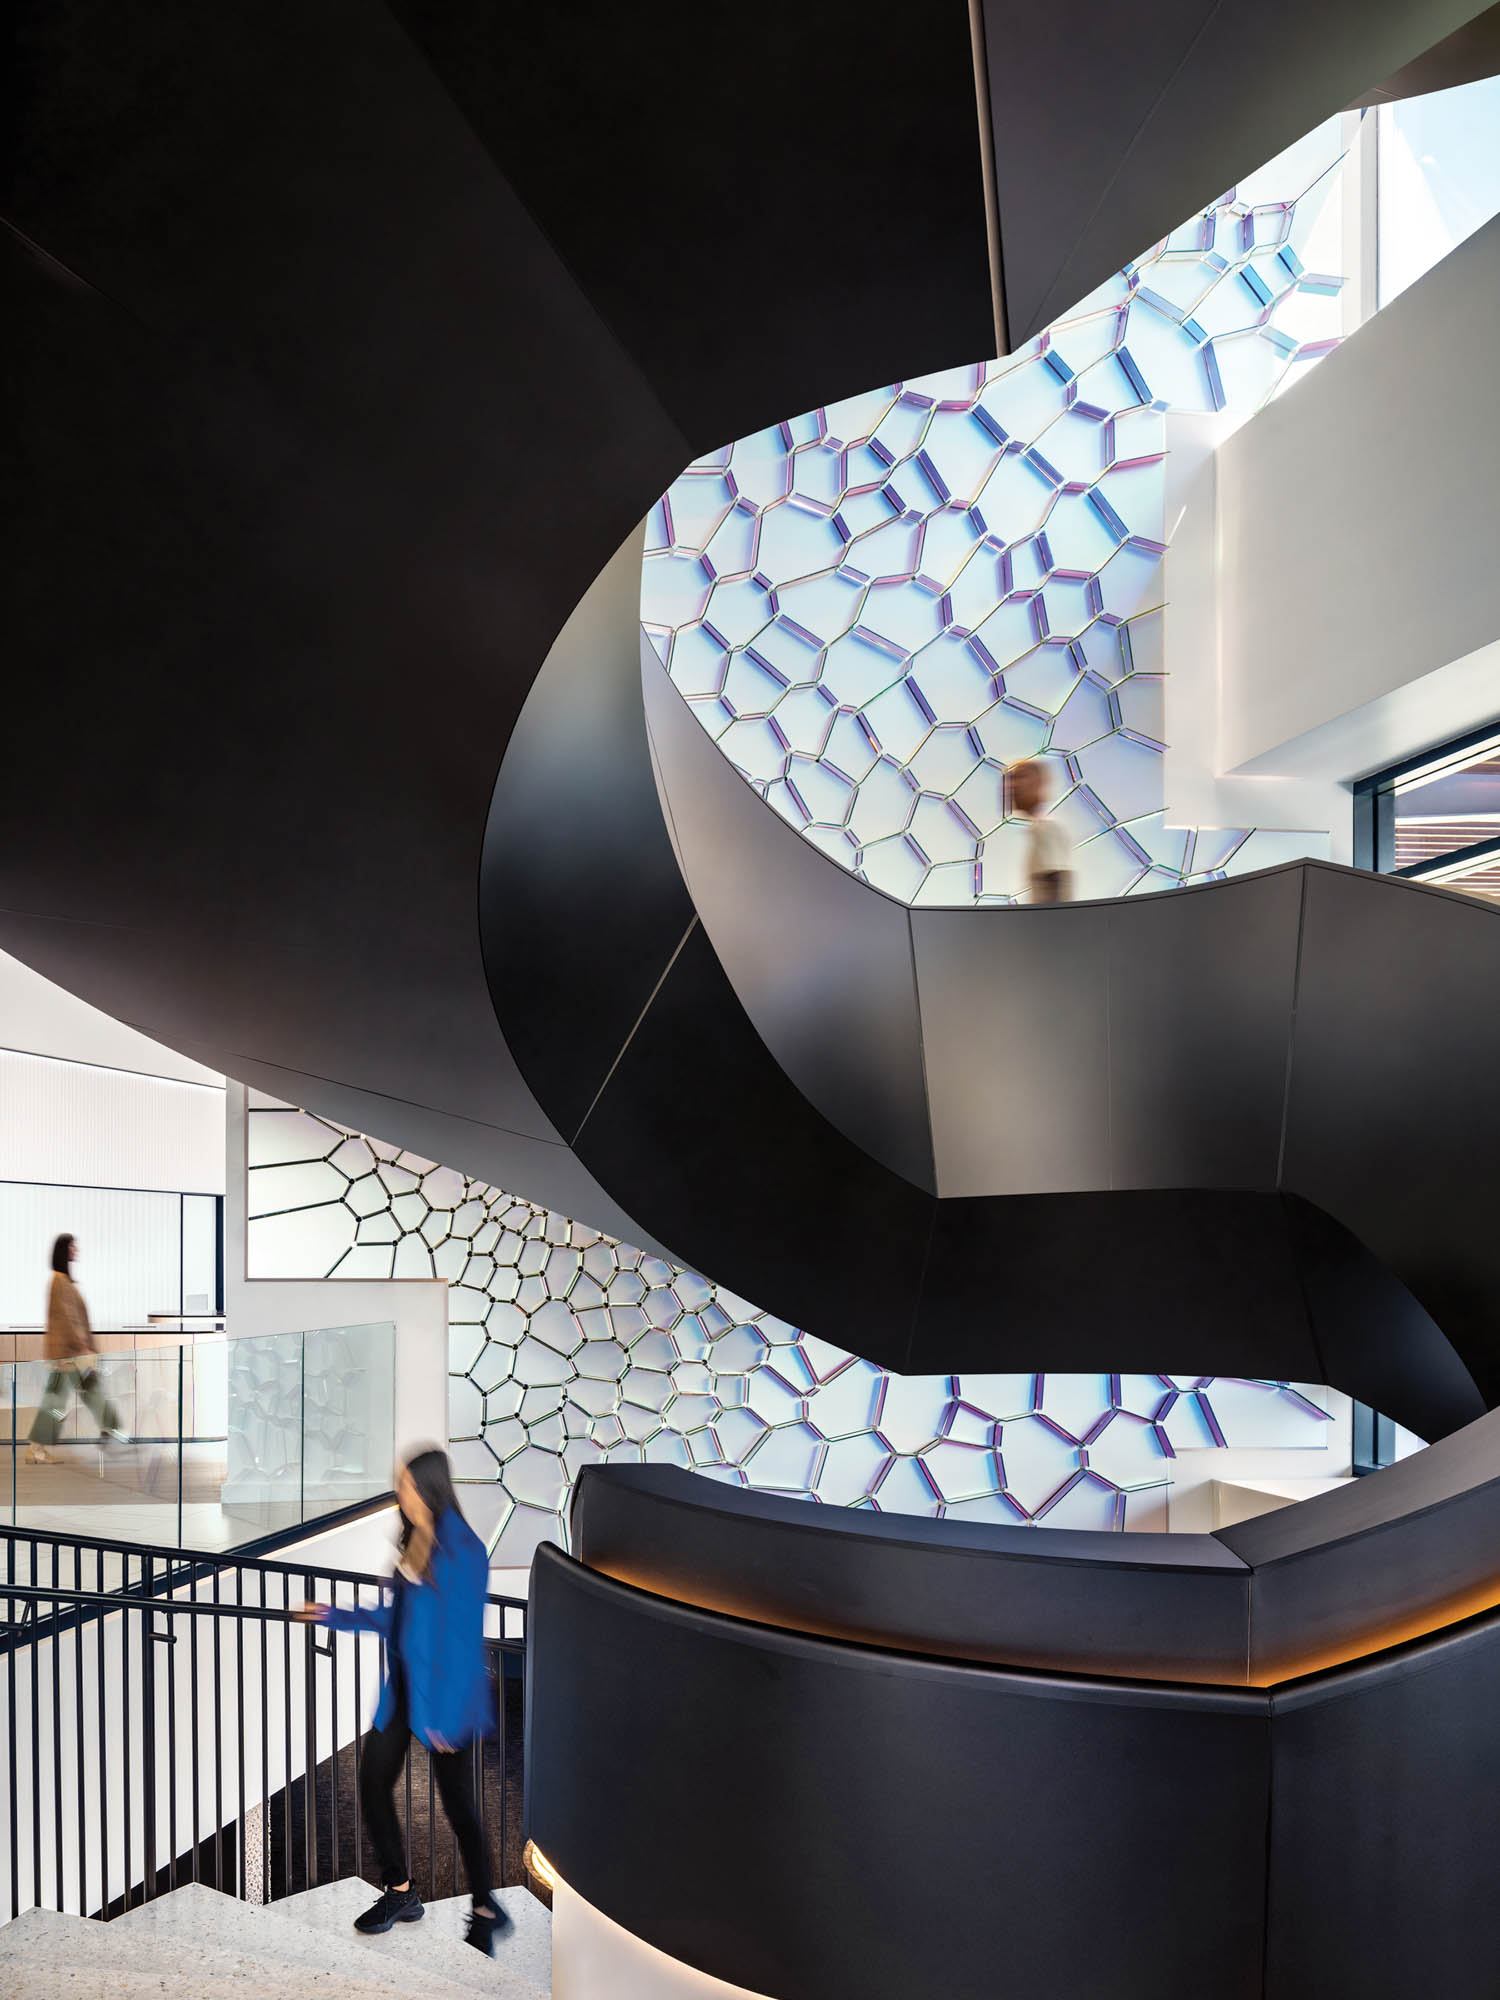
[521, 1967]
[265, 1936]
[77, 1956]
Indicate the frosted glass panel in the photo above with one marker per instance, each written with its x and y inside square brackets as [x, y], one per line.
[128, 1243]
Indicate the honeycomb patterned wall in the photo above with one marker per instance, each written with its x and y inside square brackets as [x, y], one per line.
[568, 1348]
[877, 607]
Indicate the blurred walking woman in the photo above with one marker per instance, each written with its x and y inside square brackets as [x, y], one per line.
[68, 1346]
[438, 1689]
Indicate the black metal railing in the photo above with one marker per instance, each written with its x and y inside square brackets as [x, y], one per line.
[168, 1719]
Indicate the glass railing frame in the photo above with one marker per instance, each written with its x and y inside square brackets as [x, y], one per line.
[171, 1439]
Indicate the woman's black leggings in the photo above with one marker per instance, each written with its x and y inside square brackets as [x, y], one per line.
[385, 1755]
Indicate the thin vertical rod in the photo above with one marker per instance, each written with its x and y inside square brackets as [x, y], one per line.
[193, 1722]
[218, 1753]
[359, 1746]
[36, 1744]
[310, 1734]
[333, 1762]
[286, 1767]
[239, 1717]
[17, 1653]
[57, 1812]
[78, 1710]
[125, 1630]
[148, 1736]
[265, 1755]
[171, 1747]
[103, 1701]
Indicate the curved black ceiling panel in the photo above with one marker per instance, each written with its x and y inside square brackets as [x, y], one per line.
[321, 435]
[738, 190]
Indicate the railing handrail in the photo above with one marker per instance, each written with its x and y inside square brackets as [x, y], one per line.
[160, 1728]
[171, 1552]
[115, 1600]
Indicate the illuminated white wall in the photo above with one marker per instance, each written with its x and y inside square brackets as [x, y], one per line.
[1360, 592]
[102, 1134]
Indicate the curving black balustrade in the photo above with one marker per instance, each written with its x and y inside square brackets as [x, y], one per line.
[960, 1760]
[1196, 1109]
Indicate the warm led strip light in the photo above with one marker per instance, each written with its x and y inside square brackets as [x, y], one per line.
[536, 1863]
[1418, 1625]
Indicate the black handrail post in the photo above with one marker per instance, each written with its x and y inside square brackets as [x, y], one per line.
[148, 1742]
[36, 1752]
[57, 1812]
[310, 1733]
[171, 1642]
[286, 1766]
[10, 1707]
[181, 1455]
[103, 1706]
[239, 1716]
[193, 1720]
[218, 1751]
[335, 1751]
[359, 1746]
[265, 1760]
[78, 1736]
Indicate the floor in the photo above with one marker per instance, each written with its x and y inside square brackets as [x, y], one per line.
[129, 1493]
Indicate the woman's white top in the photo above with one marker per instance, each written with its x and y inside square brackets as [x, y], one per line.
[1049, 851]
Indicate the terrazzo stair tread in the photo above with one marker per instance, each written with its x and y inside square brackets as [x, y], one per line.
[265, 1935]
[521, 1967]
[76, 1955]
[126, 1981]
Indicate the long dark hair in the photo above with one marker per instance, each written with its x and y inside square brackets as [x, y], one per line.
[432, 1475]
[60, 1251]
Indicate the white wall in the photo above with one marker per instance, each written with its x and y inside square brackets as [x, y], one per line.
[1190, 1499]
[1198, 792]
[100, 1130]
[1360, 589]
[418, 1308]
[45, 1019]
[73, 1123]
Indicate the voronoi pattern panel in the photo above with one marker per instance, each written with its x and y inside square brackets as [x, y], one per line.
[877, 607]
[568, 1348]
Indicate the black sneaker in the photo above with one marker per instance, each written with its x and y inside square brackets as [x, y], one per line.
[396, 1906]
[488, 1921]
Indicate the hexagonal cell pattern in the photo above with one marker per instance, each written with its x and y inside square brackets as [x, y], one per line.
[569, 1348]
[877, 607]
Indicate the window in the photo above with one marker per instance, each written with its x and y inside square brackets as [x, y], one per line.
[1439, 178]
[1436, 818]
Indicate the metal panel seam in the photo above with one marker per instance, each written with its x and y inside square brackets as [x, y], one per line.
[620, 1057]
[1291, 1033]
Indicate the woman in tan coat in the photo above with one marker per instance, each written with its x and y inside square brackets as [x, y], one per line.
[68, 1347]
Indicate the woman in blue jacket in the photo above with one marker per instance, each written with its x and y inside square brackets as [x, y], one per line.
[438, 1689]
